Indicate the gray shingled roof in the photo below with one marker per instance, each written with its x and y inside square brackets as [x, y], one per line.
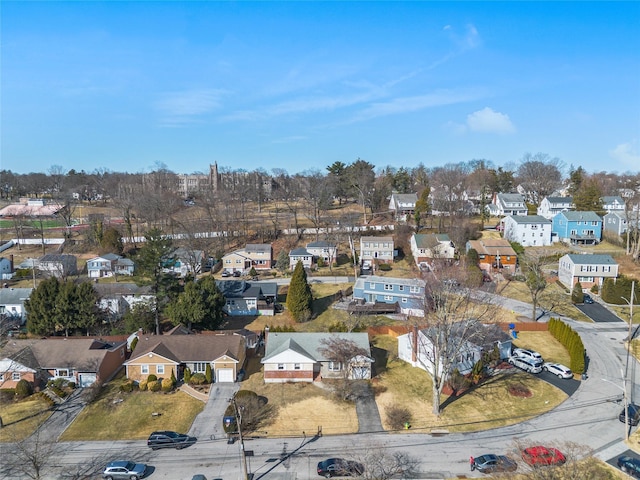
[190, 348]
[527, 219]
[14, 296]
[309, 344]
[321, 244]
[299, 252]
[581, 216]
[591, 259]
[241, 288]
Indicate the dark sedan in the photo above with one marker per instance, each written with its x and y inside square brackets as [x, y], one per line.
[633, 414]
[168, 439]
[490, 463]
[339, 467]
[629, 465]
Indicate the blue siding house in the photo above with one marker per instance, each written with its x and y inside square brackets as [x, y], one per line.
[408, 293]
[577, 228]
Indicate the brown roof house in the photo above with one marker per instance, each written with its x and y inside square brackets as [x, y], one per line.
[78, 359]
[494, 255]
[160, 354]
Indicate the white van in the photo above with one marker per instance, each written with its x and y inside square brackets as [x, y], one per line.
[526, 364]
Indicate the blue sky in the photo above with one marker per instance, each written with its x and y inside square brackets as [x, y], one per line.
[128, 86]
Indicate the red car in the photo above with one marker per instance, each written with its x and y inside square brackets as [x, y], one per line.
[541, 456]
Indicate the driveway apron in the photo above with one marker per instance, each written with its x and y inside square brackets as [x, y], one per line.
[62, 416]
[208, 424]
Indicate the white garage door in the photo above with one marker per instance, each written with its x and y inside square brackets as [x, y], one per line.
[86, 379]
[225, 375]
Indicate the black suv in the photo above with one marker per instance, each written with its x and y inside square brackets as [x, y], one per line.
[167, 439]
[633, 415]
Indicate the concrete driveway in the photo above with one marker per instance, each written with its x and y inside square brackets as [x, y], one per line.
[208, 424]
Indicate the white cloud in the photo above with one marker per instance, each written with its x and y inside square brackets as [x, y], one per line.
[627, 154]
[182, 107]
[489, 121]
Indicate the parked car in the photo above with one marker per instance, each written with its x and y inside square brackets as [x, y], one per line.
[540, 456]
[124, 469]
[633, 414]
[339, 467]
[629, 465]
[225, 273]
[199, 477]
[525, 353]
[168, 439]
[586, 298]
[490, 463]
[237, 273]
[557, 369]
[526, 364]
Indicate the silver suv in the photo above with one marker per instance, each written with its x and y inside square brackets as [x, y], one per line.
[123, 469]
[528, 354]
[526, 364]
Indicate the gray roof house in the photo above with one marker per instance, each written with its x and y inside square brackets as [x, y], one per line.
[302, 357]
[248, 298]
[12, 306]
[300, 254]
[58, 264]
[617, 222]
[588, 269]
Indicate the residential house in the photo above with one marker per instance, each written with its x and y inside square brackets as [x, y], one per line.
[58, 264]
[300, 255]
[109, 265]
[527, 230]
[116, 299]
[162, 354]
[507, 204]
[417, 346]
[81, 360]
[328, 251]
[583, 228]
[494, 255]
[258, 256]
[376, 250]
[303, 357]
[12, 311]
[248, 298]
[617, 222]
[12, 371]
[588, 269]
[551, 206]
[426, 247]
[403, 204]
[6, 268]
[406, 293]
[613, 203]
[184, 261]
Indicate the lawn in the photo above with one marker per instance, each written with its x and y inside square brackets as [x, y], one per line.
[21, 418]
[127, 416]
[481, 408]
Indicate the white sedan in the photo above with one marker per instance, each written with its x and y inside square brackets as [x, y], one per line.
[560, 370]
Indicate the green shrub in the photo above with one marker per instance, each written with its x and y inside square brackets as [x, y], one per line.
[208, 376]
[173, 377]
[321, 262]
[384, 267]
[24, 388]
[152, 378]
[128, 387]
[576, 294]
[397, 416]
[142, 385]
[167, 385]
[198, 379]
[155, 386]
[594, 288]
[187, 375]
[134, 342]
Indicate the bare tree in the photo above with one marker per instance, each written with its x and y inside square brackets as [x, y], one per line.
[539, 175]
[32, 457]
[534, 277]
[346, 354]
[449, 189]
[450, 328]
[381, 463]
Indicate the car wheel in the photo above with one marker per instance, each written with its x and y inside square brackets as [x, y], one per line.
[327, 475]
[133, 477]
[624, 468]
[108, 478]
[559, 375]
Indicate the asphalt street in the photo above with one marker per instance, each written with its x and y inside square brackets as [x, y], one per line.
[589, 417]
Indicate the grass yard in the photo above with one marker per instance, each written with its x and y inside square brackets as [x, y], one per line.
[545, 344]
[20, 419]
[127, 416]
[487, 406]
[295, 401]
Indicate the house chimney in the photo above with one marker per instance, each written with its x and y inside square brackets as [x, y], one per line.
[11, 263]
[266, 334]
[414, 345]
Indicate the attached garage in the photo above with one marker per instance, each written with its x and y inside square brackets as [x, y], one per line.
[86, 379]
[225, 375]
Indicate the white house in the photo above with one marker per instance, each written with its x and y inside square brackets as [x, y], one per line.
[376, 250]
[321, 249]
[403, 204]
[527, 230]
[12, 304]
[588, 269]
[507, 204]
[300, 255]
[417, 346]
[613, 203]
[6, 268]
[427, 247]
[551, 206]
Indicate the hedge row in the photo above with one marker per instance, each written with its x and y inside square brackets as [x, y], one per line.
[568, 337]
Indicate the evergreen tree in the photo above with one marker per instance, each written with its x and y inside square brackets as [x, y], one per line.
[112, 241]
[282, 263]
[40, 305]
[299, 297]
[576, 178]
[576, 294]
[199, 305]
[589, 197]
[422, 206]
[208, 374]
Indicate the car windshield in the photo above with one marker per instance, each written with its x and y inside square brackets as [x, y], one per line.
[130, 466]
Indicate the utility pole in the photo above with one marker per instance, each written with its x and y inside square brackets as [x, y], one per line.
[245, 470]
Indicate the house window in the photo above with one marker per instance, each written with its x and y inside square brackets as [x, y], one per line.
[414, 289]
[160, 369]
[388, 286]
[296, 366]
[401, 288]
[335, 366]
[372, 285]
[144, 369]
[200, 367]
[281, 366]
[1, 377]
[388, 298]
[15, 376]
[62, 372]
[404, 300]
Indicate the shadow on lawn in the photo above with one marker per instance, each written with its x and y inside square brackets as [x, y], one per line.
[456, 396]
